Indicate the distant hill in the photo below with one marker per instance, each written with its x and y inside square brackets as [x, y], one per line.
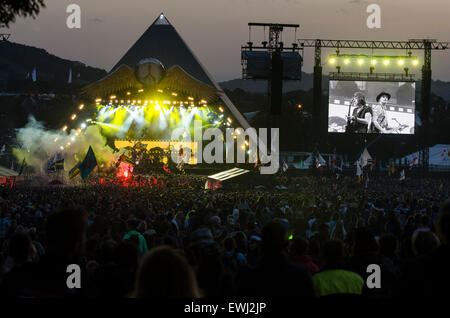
[438, 87]
[260, 86]
[17, 62]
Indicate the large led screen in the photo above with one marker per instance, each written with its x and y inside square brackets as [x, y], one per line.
[368, 107]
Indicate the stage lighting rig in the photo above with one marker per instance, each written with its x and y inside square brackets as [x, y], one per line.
[272, 61]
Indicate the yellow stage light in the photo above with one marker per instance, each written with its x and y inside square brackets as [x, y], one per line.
[332, 60]
[112, 97]
[415, 62]
[243, 146]
[81, 107]
[360, 61]
[62, 148]
[157, 107]
[246, 143]
[221, 109]
[73, 116]
[401, 62]
[299, 106]
[190, 98]
[229, 120]
[386, 62]
[346, 61]
[174, 94]
[98, 100]
[140, 91]
[128, 93]
[160, 90]
[373, 62]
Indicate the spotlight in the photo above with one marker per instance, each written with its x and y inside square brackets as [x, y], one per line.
[157, 107]
[332, 60]
[401, 62]
[73, 116]
[83, 125]
[64, 128]
[415, 62]
[81, 107]
[347, 61]
[386, 62]
[373, 62]
[360, 61]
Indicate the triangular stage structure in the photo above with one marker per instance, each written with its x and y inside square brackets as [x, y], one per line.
[162, 42]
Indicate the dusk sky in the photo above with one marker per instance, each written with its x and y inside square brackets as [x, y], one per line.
[215, 29]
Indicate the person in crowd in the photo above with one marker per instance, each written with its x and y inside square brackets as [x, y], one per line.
[164, 273]
[298, 252]
[333, 278]
[274, 270]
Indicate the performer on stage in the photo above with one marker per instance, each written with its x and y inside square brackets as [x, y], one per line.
[379, 115]
[361, 116]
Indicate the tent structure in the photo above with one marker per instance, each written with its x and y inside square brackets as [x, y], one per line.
[364, 158]
[310, 161]
[5, 172]
[438, 156]
[183, 71]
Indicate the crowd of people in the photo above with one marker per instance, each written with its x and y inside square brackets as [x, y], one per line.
[312, 237]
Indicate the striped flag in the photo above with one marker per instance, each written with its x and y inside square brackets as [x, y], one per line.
[74, 171]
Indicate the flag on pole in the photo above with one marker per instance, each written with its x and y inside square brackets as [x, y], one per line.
[3, 149]
[75, 170]
[380, 166]
[444, 154]
[24, 163]
[285, 166]
[88, 164]
[166, 169]
[59, 165]
[392, 168]
[55, 163]
[33, 75]
[358, 171]
[414, 162]
[69, 80]
[402, 175]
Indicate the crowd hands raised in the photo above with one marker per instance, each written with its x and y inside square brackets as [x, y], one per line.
[314, 238]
